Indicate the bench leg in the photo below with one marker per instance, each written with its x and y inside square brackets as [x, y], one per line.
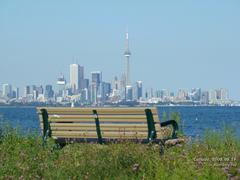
[98, 129]
[46, 127]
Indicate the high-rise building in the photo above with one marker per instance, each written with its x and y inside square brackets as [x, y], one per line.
[39, 89]
[212, 95]
[163, 94]
[49, 92]
[122, 87]
[85, 95]
[94, 92]
[32, 88]
[129, 93]
[15, 93]
[196, 94]
[182, 94]
[35, 95]
[115, 83]
[85, 83]
[138, 90]
[105, 88]
[205, 97]
[95, 86]
[61, 85]
[224, 94]
[7, 90]
[76, 77]
[26, 91]
[127, 55]
[96, 77]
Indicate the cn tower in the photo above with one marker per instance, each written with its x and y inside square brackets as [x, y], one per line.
[127, 54]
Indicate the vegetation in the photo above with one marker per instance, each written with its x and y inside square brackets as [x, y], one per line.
[174, 116]
[217, 156]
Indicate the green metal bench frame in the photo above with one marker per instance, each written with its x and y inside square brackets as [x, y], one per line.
[152, 134]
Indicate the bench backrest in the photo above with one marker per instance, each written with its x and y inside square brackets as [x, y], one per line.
[106, 123]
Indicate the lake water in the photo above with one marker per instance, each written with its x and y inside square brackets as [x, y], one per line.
[195, 120]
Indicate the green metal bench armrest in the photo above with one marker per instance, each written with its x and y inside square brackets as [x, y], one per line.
[174, 125]
[46, 126]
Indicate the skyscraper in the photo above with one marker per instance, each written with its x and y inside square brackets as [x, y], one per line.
[129, 93]
[61, 85]
[127, 54]
[212, 95]
[96, 77]
[7, 90]
[26, 91]
[49, 92]
[139, 90]
[76, 77]
[95, 86]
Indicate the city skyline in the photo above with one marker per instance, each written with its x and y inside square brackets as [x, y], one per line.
[174, 45]
[96, 91]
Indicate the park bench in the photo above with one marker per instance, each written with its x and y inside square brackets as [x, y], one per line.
[102, 125]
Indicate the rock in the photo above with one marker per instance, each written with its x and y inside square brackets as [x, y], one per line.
[135, 167]
[173, 142]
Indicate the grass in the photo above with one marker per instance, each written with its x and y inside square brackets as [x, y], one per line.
[217, 156]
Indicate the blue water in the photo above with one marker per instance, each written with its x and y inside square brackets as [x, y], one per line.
[195, 120]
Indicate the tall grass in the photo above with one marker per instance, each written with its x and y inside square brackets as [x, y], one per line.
[25, 157]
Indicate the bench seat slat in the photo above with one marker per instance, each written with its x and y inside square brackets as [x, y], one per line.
[135, 129]
[88, 111]
[101, 121]
[94, 129]
[57, 116]
[60, 116]
[104, 134]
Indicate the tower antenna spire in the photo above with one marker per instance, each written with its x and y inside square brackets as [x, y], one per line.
[127, 54]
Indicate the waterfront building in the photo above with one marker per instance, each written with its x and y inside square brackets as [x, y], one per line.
[26, 91]
[16, 92]
[182, 95]
[163, 94]
[224, 94]
[196, 94]
[212, 95]
[205, 97]
[7, 90]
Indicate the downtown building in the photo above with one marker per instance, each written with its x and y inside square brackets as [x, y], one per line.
[76, 78]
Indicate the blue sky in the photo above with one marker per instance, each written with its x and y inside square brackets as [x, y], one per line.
[174, 44]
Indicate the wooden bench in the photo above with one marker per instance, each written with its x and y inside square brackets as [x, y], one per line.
[104, 124]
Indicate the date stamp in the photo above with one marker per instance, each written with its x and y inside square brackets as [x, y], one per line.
[217, 161]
